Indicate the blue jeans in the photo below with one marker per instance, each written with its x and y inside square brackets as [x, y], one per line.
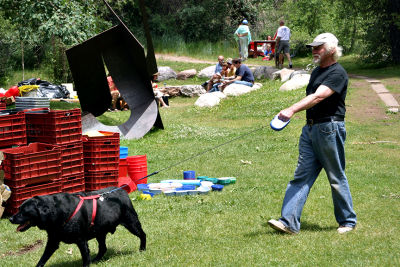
[214, 88]
[244, 83]
[321, 146]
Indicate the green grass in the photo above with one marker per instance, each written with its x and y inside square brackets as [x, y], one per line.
[229, 228]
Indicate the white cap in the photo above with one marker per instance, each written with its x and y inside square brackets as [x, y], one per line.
[324, 38]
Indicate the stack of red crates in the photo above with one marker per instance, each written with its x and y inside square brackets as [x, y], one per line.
[12, 128]
[63, 128]
[2, 104]
[30, 171]
[101, 157]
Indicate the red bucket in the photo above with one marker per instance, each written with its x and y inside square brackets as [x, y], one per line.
[136, 176]
[139, 159]
[127, 183]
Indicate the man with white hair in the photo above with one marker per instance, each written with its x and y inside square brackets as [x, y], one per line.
[321, 144]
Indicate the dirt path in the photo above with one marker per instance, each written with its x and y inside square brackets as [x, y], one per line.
[182, 59]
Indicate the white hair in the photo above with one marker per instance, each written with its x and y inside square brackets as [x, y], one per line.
[338, 50]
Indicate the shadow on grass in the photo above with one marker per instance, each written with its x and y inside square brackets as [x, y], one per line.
[305, 227]
[111, 253]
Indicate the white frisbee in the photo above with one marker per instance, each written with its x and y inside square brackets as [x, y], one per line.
[277, 124]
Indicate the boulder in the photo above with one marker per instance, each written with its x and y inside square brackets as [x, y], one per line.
[264, 72]
[166, 73]
[276, 75]
[235, 89]
[298, 81]
[171, 90]
[207, 72]
[285, 74]
[183, 75]
[192, 90]
[297, 72]
[208, 100]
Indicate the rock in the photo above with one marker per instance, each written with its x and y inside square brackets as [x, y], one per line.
[298, 81]
[183, 75]
[235, 89]
[285, 74]
[192, 90]
[171, 90]
[207, 72]
[297, 72]
[209, 99]
[264, 72]
[276, 75]
[166, 73]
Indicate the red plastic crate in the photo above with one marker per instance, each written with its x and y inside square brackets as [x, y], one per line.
[19, 195]
[16, 180]
[59, 137]
[73, 184]
[97, 186]
[93, 177]
[101, 160]
[55, 117]
[106, 137]
[11, 168]
[101, 166]
[73, 167]
[101, 153]
[2, 105]
[12, 128]
[35, 153]
[72, 151]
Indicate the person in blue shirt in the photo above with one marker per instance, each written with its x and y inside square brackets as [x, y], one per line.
[243, 75]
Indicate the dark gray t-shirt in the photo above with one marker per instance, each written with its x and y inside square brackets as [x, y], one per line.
[245, 73]
[334, 77]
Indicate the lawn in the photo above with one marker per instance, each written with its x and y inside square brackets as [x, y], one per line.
[229, 228]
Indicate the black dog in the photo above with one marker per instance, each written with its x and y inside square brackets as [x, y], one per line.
[58, 216]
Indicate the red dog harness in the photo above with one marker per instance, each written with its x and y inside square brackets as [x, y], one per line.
[94, 210]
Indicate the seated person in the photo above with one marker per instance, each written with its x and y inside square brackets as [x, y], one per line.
[268, 52]
[231, 69]
[116, 98]
[161, 99]
[217, 78]
[218, 68]
[243, 75]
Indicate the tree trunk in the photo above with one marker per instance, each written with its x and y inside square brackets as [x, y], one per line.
[394, 29]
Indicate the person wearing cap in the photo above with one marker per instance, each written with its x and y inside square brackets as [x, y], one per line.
[243, 36]
[243, 75]
[282, 43]
[321, 144]
[231, 69]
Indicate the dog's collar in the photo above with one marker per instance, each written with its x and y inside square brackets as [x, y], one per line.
[94, 210]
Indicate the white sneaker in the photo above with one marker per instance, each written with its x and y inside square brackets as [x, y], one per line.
[344, 229]
[279, 226]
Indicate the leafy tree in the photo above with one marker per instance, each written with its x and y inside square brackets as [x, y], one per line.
[54, 23]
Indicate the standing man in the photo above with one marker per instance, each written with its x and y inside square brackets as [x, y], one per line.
[321, 144]
[243, 36]
[282, 43]
[243, 75]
